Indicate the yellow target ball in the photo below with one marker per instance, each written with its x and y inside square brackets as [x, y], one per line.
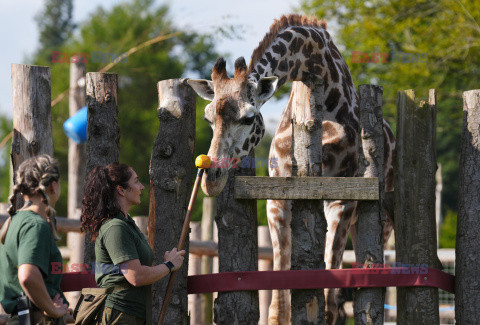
[203, 161]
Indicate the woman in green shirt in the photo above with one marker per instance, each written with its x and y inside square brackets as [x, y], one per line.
[28, 249]
[123, 257]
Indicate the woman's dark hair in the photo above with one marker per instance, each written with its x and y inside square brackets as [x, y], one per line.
[99, 202]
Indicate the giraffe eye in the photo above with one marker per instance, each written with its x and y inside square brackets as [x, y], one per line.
[247, 120]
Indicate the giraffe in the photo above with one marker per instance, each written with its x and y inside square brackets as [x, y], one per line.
[297, 48]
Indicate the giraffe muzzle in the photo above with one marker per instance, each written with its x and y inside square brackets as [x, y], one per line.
[214, 181]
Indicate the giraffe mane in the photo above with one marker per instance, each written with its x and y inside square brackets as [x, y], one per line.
[279, 25]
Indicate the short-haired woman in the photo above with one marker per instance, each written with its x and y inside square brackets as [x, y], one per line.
[28, 248]
[110, 192]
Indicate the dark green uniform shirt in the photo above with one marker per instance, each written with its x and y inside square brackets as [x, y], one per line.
[119, 240]
[29, 241]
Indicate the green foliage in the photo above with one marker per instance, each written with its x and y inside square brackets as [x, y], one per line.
[55, 25]
[448, 230]
[6, 127]
[261, 152]
[115, 31]
[447, 31]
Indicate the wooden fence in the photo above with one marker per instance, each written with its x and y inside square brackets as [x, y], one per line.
[172, 166]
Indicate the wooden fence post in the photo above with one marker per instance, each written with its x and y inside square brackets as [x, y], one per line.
[368, 302]
[208, 217]
[172, 173]
[194, 268]
[103, 132]
[467, 269]
[237, 251]
[76, 165]
[438, 201]
[415, 226]
[265, 296]
[32, 116]
[308, 223]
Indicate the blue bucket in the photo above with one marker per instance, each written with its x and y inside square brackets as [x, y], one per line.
[76, 126]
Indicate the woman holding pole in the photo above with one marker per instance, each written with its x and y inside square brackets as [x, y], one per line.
[123, 256]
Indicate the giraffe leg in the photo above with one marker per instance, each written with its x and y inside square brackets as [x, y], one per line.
[339, 215]
[279, 216]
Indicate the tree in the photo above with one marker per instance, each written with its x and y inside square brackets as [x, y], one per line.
[106, 35]
[55, 24]
[446, 32]
[6, 126]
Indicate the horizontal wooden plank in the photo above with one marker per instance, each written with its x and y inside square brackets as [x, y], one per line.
[306, 188]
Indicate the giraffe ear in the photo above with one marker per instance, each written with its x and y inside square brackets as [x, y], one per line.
[266, 87]
[204, 88]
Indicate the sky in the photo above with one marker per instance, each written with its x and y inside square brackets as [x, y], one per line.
[20, 35]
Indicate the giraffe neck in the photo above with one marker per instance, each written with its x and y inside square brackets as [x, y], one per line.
[300, 53]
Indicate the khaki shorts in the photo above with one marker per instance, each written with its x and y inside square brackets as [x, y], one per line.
[39, 319]
[115, 317]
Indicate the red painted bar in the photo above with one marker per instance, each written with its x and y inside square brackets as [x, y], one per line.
[296, 279]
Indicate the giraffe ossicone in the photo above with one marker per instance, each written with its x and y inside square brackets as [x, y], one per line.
[297, 48]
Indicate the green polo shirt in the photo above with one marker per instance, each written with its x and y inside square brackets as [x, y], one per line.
[119, 240]
[28, 241]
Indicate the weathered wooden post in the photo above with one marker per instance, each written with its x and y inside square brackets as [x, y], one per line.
[103, 132]
[369, 302]
[194, 268]
[308, 223]
[415, 226]
[208, 218]
[172, 175]
[237, 251]
[467, 269]
[32, 116]
[438, 201]
[77, 157]
[265, 296]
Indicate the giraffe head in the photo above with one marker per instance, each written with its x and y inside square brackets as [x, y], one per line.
[234, 116]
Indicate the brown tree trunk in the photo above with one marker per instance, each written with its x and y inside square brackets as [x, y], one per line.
[415, 227]
[308, 224]
[237, 251]
[32, 116]
[467, 269]
[76, 162]
[172, 175]
[103, 132]
[368, 302]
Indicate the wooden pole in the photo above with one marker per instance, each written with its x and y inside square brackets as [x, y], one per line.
[369, 302]
[103, 132]
[180, 246]
[208, 217]
[171, 173]
[32, 116]
[237, 251]
[308, 224]
[77, 158]
[467, 268]
[415, 228]
[265, 296]
[194, 268]
[438, 201]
